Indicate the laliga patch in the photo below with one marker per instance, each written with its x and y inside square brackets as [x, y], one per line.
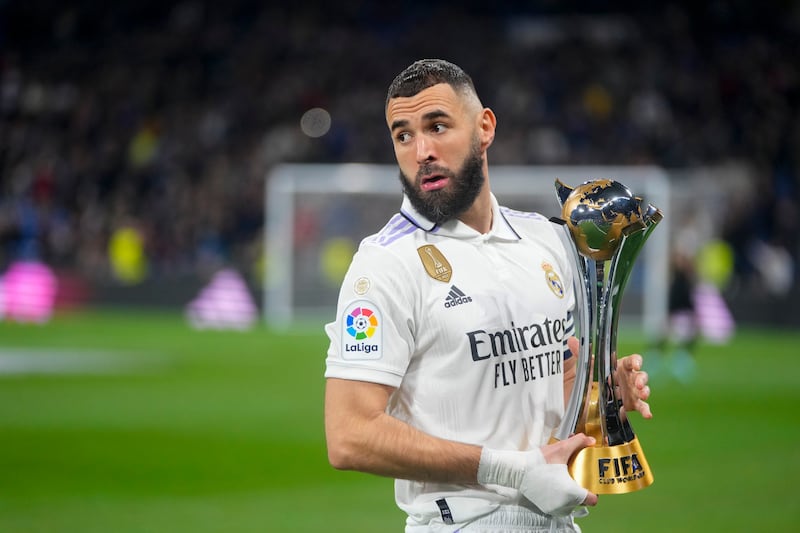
[435, 263]
[552, 279]
[362, 325]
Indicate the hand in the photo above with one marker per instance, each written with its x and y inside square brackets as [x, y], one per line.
[562, 451]
[541, 474]
[632, 383]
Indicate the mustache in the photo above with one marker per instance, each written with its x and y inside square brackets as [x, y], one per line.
[428, 169]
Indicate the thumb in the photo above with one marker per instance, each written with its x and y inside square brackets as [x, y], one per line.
[560, 452]
[577, 442]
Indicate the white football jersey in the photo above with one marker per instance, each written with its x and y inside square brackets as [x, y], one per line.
[469, 328]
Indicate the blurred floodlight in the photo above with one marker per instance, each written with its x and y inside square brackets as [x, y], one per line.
[315, 122]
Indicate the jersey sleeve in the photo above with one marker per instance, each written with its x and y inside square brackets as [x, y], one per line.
[371, 337]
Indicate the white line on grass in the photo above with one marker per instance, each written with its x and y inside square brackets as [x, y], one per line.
[22, 361]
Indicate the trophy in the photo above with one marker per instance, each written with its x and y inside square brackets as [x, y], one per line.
[603, 227]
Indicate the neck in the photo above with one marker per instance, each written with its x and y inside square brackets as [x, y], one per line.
[479, 215]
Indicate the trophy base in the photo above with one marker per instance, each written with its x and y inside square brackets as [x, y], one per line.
[611, 469]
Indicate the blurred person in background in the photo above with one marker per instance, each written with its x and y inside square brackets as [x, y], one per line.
[450, 357]
[683, 327]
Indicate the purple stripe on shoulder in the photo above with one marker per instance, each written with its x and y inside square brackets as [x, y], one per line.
[520, 214]
[397, 227]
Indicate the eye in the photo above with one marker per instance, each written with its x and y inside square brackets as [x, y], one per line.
[439, 128]
[403, 137]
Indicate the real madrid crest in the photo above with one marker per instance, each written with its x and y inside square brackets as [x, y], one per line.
[552, 279]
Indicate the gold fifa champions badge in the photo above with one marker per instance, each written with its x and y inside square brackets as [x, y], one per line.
[436, 265]
[553, 281]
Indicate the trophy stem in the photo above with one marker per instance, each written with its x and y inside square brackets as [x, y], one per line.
[614, 423]
[576, 410]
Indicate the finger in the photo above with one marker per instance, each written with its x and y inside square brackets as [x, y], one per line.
[632, 362]
[644, 393]
[574, 345]
[644, 409]
[590, 499]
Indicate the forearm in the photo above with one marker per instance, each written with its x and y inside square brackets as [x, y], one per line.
[362, 437]
[394, 449]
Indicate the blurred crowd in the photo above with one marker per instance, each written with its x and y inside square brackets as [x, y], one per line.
[154, 124]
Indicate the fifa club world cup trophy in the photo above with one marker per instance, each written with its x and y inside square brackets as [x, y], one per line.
[603, 226]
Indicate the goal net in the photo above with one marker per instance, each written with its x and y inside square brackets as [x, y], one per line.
[316, 214]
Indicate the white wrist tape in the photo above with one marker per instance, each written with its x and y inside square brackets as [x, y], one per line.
[552, 490]
[506, 467]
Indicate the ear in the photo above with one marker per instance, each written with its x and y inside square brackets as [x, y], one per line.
[486, 127]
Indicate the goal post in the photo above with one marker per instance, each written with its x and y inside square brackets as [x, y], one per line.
[316, 214]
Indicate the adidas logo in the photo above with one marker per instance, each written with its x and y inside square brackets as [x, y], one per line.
[456, 297]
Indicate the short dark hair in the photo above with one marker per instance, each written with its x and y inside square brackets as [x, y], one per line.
[426, 73]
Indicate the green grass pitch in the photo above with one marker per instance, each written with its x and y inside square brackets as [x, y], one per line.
[133, 422]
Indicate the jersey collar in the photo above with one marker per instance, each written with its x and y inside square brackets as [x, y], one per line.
[501, 227]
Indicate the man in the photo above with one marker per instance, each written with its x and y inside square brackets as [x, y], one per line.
[448, 357]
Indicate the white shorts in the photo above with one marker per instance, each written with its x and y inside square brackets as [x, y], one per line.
[516, 519]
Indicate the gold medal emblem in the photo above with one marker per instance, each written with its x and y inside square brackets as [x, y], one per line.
[552, 279]
[361, 286]
[436, 265]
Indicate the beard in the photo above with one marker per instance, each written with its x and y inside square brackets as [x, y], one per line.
[442, 205]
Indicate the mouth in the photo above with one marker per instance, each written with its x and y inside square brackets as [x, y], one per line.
[433, 182]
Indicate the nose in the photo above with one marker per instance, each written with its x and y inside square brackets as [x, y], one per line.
[425, 150]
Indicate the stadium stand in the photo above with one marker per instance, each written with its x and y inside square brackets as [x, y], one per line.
[165, 118]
